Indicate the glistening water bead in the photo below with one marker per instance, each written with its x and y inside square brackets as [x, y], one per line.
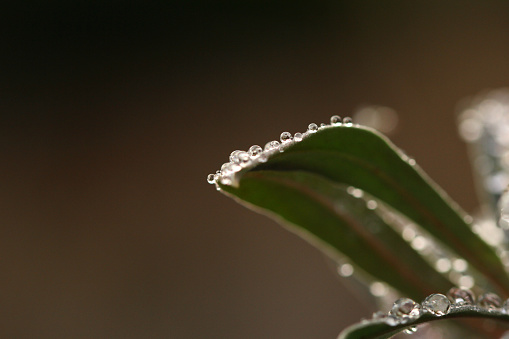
[298, 137]
[243, 158]
[312, 128]
[490, 301]
[271, 145]
[255, 151]
[437, 304]
[335, 120]
[211, 178]
[286, 137]
[461, 296]
[234, 156]
[347, 121]
[406, 310]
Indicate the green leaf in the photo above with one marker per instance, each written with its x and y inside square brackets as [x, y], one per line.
[363, 158]
[380, 329]
[323, 213]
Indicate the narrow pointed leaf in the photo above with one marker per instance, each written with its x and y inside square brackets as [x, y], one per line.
[323, 213]
[363, 158]
[380, 328]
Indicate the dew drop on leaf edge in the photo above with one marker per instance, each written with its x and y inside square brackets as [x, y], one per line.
[286, 137]
[437, 304]
[335, 120]
[312, 128]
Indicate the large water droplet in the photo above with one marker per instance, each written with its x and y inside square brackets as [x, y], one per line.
[347, 121]
[298, 137]
[271, 145]
[335, 120]
[286, 137]
[312, 128]
[461, 296]
[437, 304]
[406, 310]
[490, 301]
[211, 178]
[255, 151]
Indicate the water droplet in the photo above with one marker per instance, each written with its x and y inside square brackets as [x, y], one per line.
[335, 120]
[466, 281]
[233, 156]
[211, 178]
[443, 265]
[461, 296]
[419, 243]
[408, 233]
[406, 309]
[226, 180]
[345, 270]
[271, 145]
[263, 157]
[226, 169]
[410, 330]
[255, 151]
[505, 307]
[490, 301]
[286, 137]
[460, 265]
[312, 128]
[437, 304]
[372, 204]
[347, 121]
[468, 219]
[357, 193]
[378, 289]
[411, 162]
[298, 137]
[243, 158]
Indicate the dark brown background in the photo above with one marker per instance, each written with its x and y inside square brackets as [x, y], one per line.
[113, 113]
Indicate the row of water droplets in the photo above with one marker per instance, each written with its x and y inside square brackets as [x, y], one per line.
[406, 311]
[240, 160]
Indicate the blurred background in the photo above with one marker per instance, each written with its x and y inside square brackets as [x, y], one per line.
[114, 112]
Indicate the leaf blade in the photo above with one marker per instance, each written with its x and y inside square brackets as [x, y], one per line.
[299, 197]
[379, 329]
[363, 158]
